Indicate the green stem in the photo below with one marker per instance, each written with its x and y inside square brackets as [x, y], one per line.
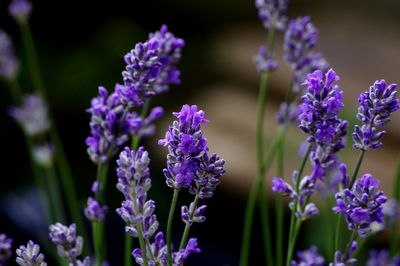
[257, 186]
[169, 224]
[294, 227]
[15, 89]
[55, 194]
[328, 216]
[279, 207]
[186, 231]
[337, 233]
[62, 163]
[142, 244]
[394, 239]
[128, 250]
[96, 230]
[356, 170]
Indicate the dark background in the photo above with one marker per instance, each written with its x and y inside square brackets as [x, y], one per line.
[81, 46]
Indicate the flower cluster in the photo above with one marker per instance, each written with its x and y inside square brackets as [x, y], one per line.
[94, 211]
[299, 43]
[362, 205]
[5, 248]
[345, 259]
[374, 111]
[8, 61]
[264, 60]
[151, 67]
[134, 182]
[20, 9]
[30, 255]
[309, 257]
[382, 258]
[186, 146]
[272, 13]
[69, 245]
[112, 125]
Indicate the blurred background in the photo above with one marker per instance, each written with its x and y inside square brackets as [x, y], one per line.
[81, 46]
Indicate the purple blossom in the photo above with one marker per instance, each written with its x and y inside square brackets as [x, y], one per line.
[374, 111]
[151, 67]
[20, 9]
[264, 60]
[69, 245]
[198, 214]
[186, 146]
[362, 205]
[309, 257]
[5, 248]
[94, 211]
[30, 255]
[32, 115]
[272, 13]
[382, 258]
[300, 38]
[8, 61]
[112, 125]
[345, 259]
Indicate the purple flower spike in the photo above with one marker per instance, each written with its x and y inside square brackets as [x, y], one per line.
[265, 60]
[181, 256]
[8, 61]
[110, 125]
[374, 111]
[94, 211]
[20, 9]
[272, 13]
[5, 248]
[309, 257]
[186, 147]
[151, 67]
[300, 38]
[32, 115]
[362, 205]
[382, 258]
[30, 255]
[69, 245]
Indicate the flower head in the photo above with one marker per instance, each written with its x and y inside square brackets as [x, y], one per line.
[5, 248]
[345, 259]
[69, 245]
[264, 60]
[32, 115]
[30, 255]
[362, 205]
[94, 211]
[309, 257]
[374, 111]
[186, 146]
[8, 61]
[272, 13]
[20, 9]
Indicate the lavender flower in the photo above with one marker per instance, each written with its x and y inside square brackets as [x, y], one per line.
[264, 60]
[272, 13]
[300, 38]
[5, 248]
[112, 125]
[382, 258]
[32, 115]
[309, 257]
[345, 259]
[30, 255]
[374, 111]
[8, 61]
[186, 146]
[362, 205]
[20, 9]
[94, 211]
[69, 245]
[134, 182]
[151, 67]
[43, 154]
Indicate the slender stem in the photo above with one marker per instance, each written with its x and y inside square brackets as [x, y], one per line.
[142, 244]
[337, 233]
[251, 201]
[128, 250]
[96, 228]
[352, 238]
[61, 160]
[279, 207]
[15, 90]
[358, 165]
[55, 194]
[394, 239]
[169, 224]
[186, 231]
[294, 227]
[329, 222]
[262, 199]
